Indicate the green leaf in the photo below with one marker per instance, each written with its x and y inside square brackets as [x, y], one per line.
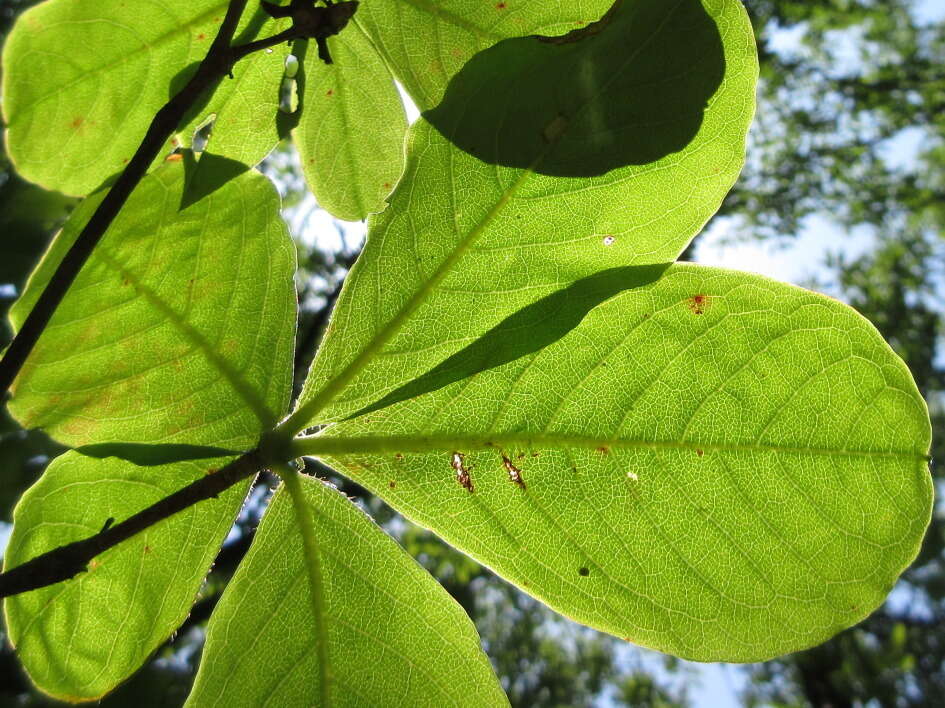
[426, 42]
[80, 639]
[467, 243]
[178, 330]
[394, 636]
[351, 134]
[82, 82]
[715, 465]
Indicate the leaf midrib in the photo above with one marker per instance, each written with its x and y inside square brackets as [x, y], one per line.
[240, 386]
[324, 444]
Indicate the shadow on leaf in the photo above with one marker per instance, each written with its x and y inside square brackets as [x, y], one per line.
[628, 90]
[145, 455]
[527, 331]
[205, 176]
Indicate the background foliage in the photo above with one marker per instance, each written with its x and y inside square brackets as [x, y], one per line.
[858, 83]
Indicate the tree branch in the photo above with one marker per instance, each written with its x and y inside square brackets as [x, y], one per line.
[67, 561]
[217, 64]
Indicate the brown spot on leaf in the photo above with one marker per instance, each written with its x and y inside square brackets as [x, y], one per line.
[583, 571]
[457, 462]
[698, 304]
[392, 484]
[201, 36]
[515, 474]
[603, 450]
[77, 122]
[699, 452]
[398, 456]
[500, 6]
[147, 549]
[330, 92]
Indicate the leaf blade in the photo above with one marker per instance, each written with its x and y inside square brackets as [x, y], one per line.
[438, 38]
[150, 322]
[80, 639]
[472, 242]
[676, 492]
[387, 620]
[351, 172]
[83, 81]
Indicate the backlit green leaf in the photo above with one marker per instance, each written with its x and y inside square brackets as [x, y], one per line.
[83, 80]
[80, 639]
[468, 240]
[351, 134]
[427, 41]
[713, 464]
[394, 636]
[178, 330]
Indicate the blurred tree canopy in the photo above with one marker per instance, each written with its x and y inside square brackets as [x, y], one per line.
[851, 126]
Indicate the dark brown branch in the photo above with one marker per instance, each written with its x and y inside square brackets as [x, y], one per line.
[214, 66]
[218, 63]
[308, 22]
[67, 561]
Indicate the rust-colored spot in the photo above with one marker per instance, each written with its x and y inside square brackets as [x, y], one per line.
[77, 122]
[392, 484]
[515, 474]
[386, 185]
[699, 452]
[175, 157]
[603, 450]
[124, 161]
[330, 92]
[500, 6]
[212, 470]
[147, 549]
[457, 462]
[583, 571]
[698, 304]
[201, 36]
[93, 564]
[398, 456]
